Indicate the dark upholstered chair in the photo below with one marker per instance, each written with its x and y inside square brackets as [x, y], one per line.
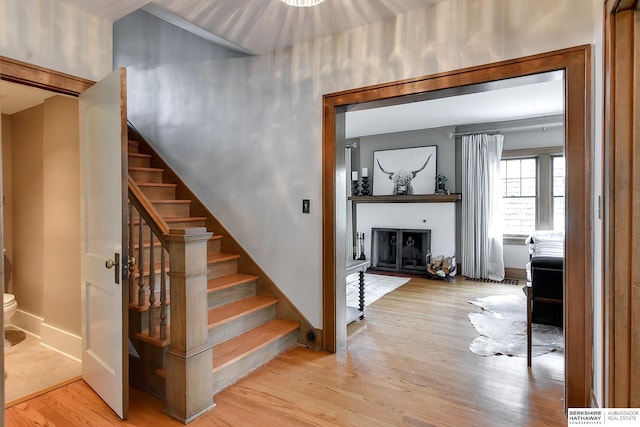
[545, 277]
[546, 290]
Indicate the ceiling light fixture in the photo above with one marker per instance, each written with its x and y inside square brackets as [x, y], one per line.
[302, 3]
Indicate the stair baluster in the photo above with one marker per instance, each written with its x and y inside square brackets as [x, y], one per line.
[152, 287]
[157, 313]
[164, 305]
[140, 261]
[131, 227]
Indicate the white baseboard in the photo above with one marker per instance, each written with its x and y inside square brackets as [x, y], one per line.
[27, 322]
[50, 336]
[62, 341]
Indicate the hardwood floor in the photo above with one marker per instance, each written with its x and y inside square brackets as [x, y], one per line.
[408, 364]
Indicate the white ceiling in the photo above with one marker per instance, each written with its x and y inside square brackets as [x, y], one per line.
[262, 26]
[518, 102]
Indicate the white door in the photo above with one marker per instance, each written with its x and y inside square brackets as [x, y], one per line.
[103, 144]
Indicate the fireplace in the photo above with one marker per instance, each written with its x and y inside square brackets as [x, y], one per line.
[406, 250]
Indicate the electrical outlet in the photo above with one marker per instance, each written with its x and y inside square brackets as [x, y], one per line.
[306, 206]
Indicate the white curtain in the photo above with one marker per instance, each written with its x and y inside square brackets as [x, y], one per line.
[481, 207]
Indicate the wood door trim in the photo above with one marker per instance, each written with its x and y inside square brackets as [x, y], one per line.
[577, 66]
[44, 78]
[621, 302]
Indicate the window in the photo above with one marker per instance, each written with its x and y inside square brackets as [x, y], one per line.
[532, 191]
[519, 195]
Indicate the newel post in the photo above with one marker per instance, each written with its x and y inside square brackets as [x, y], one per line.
[189, 385]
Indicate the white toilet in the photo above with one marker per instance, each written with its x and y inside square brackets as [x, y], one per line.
[10, 308]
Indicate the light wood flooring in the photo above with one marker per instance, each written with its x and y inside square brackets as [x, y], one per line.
[407, 364]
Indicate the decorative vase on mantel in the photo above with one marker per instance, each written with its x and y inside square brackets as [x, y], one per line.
[441, 187]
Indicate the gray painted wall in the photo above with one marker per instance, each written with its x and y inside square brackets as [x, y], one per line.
[246, 133]
[445, 162]
[169, 97]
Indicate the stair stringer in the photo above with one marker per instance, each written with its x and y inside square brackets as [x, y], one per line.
[308, 335]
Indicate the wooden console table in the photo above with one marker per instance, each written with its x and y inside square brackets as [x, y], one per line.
[359, 266]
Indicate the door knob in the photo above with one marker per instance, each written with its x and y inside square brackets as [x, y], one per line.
[110, 263]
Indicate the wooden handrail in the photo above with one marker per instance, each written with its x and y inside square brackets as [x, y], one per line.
[159, 230]
[148, 212]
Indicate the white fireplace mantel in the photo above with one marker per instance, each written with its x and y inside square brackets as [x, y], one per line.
[412, 198]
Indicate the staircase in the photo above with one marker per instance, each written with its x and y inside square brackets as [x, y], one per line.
[246, 325]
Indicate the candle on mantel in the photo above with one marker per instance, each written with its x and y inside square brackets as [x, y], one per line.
[365, 172]
[354, 176]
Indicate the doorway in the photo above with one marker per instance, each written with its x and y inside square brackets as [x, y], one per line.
[41, 222]
[576, 66]
[59, 83]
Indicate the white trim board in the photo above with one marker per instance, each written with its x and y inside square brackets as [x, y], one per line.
[50, 336]
[62, 341]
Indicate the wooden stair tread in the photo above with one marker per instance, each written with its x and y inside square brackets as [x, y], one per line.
[140, 155]
[155, 340]
[234, 310]
[220, 257]
[141, 169]
[156, 184]
[171, 219]
[169, 201]
[229, 281]
[234, 349]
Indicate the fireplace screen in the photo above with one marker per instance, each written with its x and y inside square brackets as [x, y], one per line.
[400, 250]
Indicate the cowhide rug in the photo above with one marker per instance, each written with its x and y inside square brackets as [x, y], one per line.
[502, 325]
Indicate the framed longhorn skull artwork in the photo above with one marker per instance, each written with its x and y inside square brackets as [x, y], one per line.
[405, 171]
